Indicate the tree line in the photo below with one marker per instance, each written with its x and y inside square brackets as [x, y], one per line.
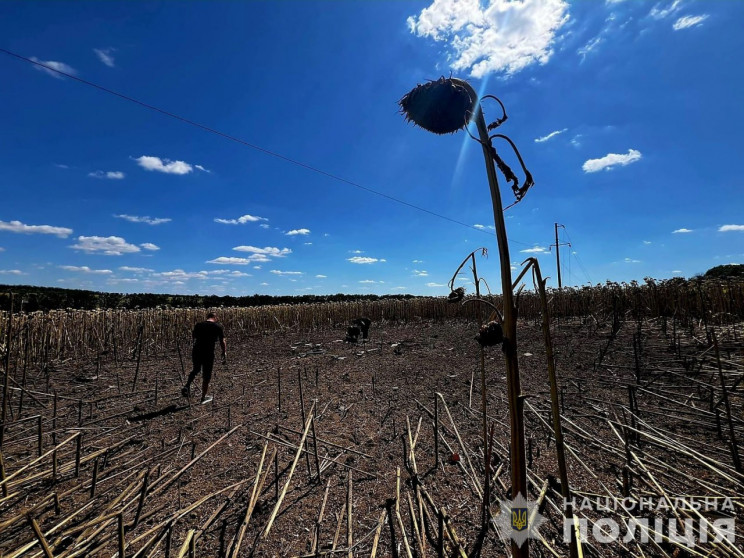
[32, 299]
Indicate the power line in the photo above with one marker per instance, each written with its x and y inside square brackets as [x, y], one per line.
[242, 142]
[578, 259]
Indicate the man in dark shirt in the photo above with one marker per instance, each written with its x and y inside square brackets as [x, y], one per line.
[202, 355]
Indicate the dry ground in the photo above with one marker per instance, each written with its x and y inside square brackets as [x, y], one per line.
[364, 397]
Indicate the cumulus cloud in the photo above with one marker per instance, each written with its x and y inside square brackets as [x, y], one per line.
[266, 251]
[111, 175]
[295, 232]
[18, 227]
[611, 160]
[106, 245]
[364, 260]
[370, 282]
[536, 250]
[321, 276]
[230, 261]
[549, 136]
[729, 228]
[180, 275]
[493, 35]
[241, 220]
[420, 273]
[135, 269]
[85, 269]
[104, 55]
[164, 165]
[145, 219]
[149, 246]
[689, 21]
[59, 66]
[11, 272]
[277, 272]
[434, 285]
[681, 231]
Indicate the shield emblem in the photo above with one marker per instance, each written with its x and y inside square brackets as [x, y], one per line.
[519, 519]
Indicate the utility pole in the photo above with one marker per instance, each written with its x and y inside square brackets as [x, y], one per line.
[558, 255]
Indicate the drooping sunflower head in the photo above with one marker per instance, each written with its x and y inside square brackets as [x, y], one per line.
[443, 106]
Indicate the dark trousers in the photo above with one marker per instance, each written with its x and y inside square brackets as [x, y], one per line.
[203, 362]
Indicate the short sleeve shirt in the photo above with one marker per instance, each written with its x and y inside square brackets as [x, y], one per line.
[206, 335]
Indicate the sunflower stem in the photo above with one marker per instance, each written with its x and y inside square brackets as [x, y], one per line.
[516, 401]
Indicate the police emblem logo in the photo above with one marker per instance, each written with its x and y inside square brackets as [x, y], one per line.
[519, 519]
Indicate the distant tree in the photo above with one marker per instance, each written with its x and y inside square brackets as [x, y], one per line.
[723, 271]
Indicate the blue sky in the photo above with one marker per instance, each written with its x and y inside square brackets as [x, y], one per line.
[627, 113]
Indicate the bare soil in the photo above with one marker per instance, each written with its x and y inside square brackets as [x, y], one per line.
[364, 397]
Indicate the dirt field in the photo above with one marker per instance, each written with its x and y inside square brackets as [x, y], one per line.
[170, 466]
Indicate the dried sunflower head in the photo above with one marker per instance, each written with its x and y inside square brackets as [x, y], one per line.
[457, 295]
[443, 106]
[490, 334]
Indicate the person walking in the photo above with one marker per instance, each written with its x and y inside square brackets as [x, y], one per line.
[205, 335]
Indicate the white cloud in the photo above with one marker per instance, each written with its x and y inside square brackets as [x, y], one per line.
[106, 245]
[111, 175]
[576, 140]
[201, 168]
[295, 232]
[657, 12]
[267, 251]
[493, 35]
[230, 261]
[536, 250]
[681, 231]
[729, 228]
[59, 66]
[11, 272]
[677, 271]
[18, 227]
[145, 219]
[364, 260]
[483, 227]
[85, 269]
[356, 251]
[149, 246]
[421, 273]
[630, 260]
[689, 21]
[163, 165]
[180, 275]
[434, 285]
[421, 261]
[550, 136]
[370, 282]
[321, 276]
[277, 272]
[104, 55]
[264, 226]
[611, 160]
[647, 242]
[589, 47]
[398, 288]
[241, 220]
[135, 269]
